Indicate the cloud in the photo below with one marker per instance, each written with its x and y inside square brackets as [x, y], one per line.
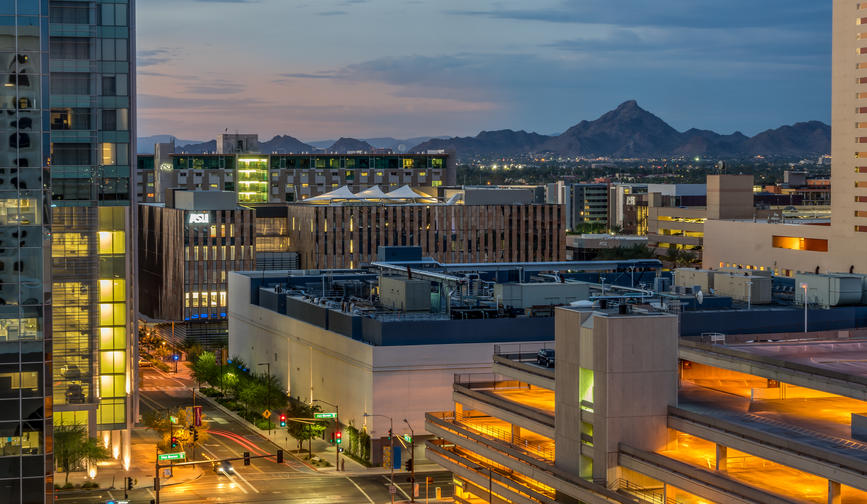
[216, 86]
[682, 13]
[152, 57]
[332, 13]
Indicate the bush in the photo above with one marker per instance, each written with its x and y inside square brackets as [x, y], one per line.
[210, 392]
[90, 484]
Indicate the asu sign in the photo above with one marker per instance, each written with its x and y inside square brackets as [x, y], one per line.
[199, 218]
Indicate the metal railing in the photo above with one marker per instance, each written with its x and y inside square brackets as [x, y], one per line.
[652, 495]
[530, 447]
[489, 381]
[522, 352]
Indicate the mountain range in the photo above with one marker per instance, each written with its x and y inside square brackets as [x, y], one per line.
[628, 131]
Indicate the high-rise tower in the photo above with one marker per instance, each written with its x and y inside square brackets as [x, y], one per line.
[67, 123]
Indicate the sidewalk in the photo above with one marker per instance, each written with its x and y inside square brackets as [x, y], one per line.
[111, 474]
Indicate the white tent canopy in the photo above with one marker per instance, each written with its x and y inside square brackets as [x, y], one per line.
[371, 195]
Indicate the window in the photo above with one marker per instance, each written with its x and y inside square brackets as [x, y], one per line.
[112, 14]
[109, 85]
[69, 12]
[70, 119]
[76, 48]
[799, 243]
[69, 83]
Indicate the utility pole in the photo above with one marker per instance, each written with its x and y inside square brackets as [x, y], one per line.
[268, 388]
[392, 488]
[412, 457]
[337, 445]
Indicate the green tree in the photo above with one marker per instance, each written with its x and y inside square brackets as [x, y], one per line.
[72, 447]
[303, 429]
[160, 422]
[205, 368]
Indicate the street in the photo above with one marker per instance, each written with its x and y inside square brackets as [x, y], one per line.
[262, 481]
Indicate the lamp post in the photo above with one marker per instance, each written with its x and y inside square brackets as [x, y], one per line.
[222, 390]
[412, 457]
[268, 391]
[804, 286]
[391, 447]
[337, 427]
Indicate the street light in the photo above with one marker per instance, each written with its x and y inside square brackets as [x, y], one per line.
[412, 457]
[336, 427]
[391, 444]
[804, 286]
[268, 392]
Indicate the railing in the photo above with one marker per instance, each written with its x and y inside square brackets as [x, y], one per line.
[530, 447]
[522, 352]
[489, 381]
[654, 495]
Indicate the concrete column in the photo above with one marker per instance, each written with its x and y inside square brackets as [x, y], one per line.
[116, 444]
[516, 432]
[834, 493]
[721, 457]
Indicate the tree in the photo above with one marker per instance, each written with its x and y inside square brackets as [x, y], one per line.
[72, 446]
[160, 422]
[305, 430]
[205, 368]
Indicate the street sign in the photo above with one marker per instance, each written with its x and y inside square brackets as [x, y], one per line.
[324, 415]
[266, 414]
[167, 472]
[407, 438]
[172, 456]
[197, 416]
[392, 489]
[173, 419]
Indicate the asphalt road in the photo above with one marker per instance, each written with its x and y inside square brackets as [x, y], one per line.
[263, 480]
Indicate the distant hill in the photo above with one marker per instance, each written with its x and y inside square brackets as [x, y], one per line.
[504, 142]
[395, 144]
[344, 145]
[284, 144]
[631, 131]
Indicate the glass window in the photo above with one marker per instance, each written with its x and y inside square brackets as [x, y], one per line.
[70, 83]
[70, 12]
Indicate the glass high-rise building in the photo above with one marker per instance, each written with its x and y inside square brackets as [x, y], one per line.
[67, 123]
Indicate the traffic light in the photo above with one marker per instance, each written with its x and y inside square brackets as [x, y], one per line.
[282, 420]
[408, 465]
[175, 442]
[338, 437]
[279, 456]
[332, 438]
[389, 434]
[246, 458]
[195, 435]
[129, 483]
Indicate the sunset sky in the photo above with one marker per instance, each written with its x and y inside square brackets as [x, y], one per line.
[319, 69]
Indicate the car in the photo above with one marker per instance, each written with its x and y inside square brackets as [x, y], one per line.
[545, 357]
[224, 467]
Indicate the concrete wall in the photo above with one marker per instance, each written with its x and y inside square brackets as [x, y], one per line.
[686, 277]
[730, 196]
[743, 286]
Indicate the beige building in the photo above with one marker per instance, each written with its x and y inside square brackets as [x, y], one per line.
[823, 247]
[678, 227]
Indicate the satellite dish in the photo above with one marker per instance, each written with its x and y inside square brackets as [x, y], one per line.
[699, 297]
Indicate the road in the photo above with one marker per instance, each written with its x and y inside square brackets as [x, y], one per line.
[263, 480]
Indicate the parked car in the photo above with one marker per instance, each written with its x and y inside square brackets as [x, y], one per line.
[545, 357]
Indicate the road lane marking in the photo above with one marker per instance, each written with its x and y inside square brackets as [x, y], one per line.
[360, 490]
[399, 489]
[241, 487]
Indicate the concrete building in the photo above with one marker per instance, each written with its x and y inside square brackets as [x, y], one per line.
[632, 414]
[268, 177]
[186, 249]
[627, 208]
[66, 274]
[826, 247]
[672, 225]
[586, 247]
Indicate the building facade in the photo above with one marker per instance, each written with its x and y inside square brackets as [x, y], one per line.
[266, 178]
[345, 236]
[66, 274]
[186, 250]
[588, 204]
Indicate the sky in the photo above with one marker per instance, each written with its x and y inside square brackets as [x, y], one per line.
[322, 69]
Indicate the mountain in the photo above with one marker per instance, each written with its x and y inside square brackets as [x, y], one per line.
[344, 145]
[395, 144]
[198, 148]
[505, 142]
[145, 145]
[630, 131]
[285, 144]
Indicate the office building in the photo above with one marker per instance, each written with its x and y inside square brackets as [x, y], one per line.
[186, 249]
[630, 413]
[627, 208]
[824, 246]
[344, 230]
[258, 177]
[588, 207]
[66, 301]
